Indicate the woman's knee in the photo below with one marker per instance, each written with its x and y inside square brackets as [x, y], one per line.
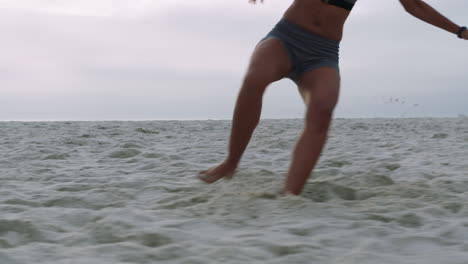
[319, 115]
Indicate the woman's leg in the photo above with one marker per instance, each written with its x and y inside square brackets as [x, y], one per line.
[269, 63]
[320, 90]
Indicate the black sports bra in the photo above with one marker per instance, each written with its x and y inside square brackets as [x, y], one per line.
[346, 4]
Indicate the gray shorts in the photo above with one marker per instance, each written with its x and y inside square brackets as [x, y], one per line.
[306, 50]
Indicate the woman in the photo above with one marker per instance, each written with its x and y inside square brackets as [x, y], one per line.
[303, 46]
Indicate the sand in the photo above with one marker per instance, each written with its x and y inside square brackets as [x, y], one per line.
[384, 191]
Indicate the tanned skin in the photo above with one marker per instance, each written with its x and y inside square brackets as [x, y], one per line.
[319, 88]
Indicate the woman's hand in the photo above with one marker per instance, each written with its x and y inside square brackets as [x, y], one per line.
[464, 34]
[254, 1]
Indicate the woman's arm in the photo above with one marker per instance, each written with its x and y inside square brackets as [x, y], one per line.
[425, 12]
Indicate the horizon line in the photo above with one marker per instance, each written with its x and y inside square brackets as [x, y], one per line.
[212, 119]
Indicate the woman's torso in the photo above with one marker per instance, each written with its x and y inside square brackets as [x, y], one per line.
[318, 17]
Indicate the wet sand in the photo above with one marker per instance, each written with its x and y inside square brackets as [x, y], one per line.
[384, 191]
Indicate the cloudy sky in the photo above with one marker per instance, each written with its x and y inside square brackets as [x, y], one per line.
[185, 59]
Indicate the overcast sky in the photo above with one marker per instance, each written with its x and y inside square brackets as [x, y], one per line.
[185, 59]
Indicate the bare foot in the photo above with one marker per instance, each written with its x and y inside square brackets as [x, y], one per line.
[211, 175]
[285, 192]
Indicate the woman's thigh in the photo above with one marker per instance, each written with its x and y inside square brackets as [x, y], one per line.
[320, 89]
[269, 62]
